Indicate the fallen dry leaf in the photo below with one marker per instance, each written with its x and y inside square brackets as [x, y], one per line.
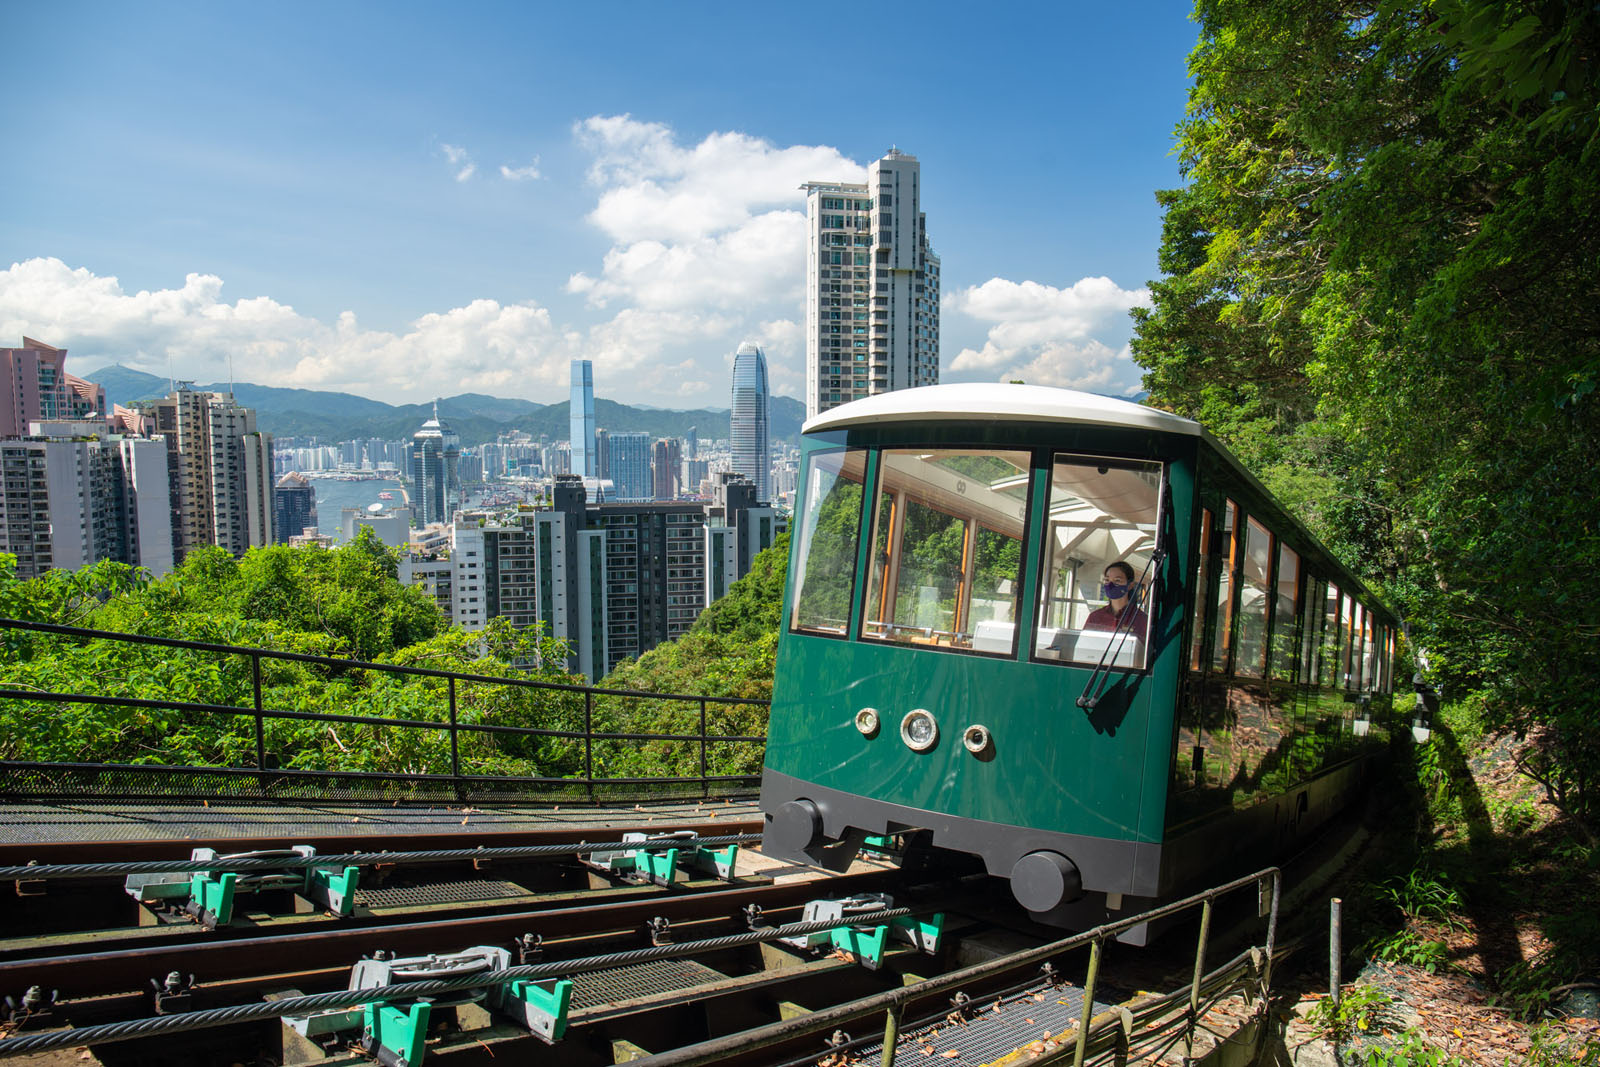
[952, 1054]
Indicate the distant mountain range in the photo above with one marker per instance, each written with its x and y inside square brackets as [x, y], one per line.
[475, 417]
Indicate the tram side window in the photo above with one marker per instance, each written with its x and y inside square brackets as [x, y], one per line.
[947, 549]
[1316, 592]
[829, 531]
[1102, 512]
[1222, 618]
[1286, 619]
[1330, 637]
[1251, 657]
[1201, 577]
[1347, 637]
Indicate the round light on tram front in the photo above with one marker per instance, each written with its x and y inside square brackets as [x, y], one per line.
[919, 731]
[977, 739]
[867, 721]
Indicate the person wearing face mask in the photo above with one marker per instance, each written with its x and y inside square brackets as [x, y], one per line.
[1118, 588]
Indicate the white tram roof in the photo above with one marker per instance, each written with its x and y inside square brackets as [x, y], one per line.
[1001, 403]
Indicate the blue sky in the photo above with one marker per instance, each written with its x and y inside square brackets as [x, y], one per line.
[407, 200]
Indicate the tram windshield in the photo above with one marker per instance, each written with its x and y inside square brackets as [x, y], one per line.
[828, 533]
[1104, 514]
[947, 548]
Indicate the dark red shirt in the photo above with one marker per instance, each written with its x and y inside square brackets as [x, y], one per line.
[1106, 619]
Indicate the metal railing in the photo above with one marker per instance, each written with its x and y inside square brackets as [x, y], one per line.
[268, 771]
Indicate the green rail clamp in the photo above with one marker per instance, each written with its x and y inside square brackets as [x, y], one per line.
[211, 898]
[868, 944]
[393, 1035]
[660, 867]
[541, 1006]
[718, 862]
[333, 889]
[878, 846]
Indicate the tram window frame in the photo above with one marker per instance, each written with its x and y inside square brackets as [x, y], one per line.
[961, 636]
[806, 532]
[1256, 535]
[1284, 657]
[1227, 586]
[1045, 558]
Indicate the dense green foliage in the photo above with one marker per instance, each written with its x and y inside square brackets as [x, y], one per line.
[1379, 288]
[343, 603]
[729, 652]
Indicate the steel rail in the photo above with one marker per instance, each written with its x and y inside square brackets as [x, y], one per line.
[400, 837]
[345, 999]
[288, 773]
[95, 973]
[362, 859]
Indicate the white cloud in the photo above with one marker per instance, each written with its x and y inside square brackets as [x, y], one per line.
[1049, 336]
[508, 349]
[521, 174]
[459, 158]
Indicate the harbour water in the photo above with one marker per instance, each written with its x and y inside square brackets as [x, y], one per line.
[333, 496]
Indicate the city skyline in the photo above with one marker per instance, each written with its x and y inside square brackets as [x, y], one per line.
[575, 195]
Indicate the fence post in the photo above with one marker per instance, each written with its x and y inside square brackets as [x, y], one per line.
[261, 740]
[588, 740]
[891, 1034]
[705, 780]
[1335, 951]
[1090, 979]
[455, 749]
[1199, 972]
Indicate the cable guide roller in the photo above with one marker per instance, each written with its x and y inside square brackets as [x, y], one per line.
[866, 943]
[209, 895]
[393, 1031]
[679, 850]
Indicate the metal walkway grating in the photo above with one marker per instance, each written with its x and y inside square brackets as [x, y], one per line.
[640, 980]
[987, 1035]
[440, 891]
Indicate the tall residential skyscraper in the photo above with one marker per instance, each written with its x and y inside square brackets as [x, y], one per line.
[35, 385]
[435, 452]
[872, 287]
[581, 411]
[72, 494]
[666, 468]
[748, 424]
[628, 456]
[294, 506]
[221, 470]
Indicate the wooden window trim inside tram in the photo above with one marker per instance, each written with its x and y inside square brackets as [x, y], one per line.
[887, 585]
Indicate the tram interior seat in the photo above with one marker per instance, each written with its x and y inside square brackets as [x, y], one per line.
[1088, 646]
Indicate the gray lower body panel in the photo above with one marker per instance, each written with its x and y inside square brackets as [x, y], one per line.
[1105, 865]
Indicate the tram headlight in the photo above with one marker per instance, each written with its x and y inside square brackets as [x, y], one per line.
[977, 739]
[867, 721]
[918, 730]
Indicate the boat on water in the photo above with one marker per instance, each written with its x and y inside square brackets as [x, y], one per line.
[385, 496]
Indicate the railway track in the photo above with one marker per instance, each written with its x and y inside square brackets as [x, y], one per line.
[694, 973]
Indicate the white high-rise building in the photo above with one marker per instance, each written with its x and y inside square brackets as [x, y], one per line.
[872, 286]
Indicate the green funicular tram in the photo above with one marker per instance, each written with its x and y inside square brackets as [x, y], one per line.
[950, 662]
